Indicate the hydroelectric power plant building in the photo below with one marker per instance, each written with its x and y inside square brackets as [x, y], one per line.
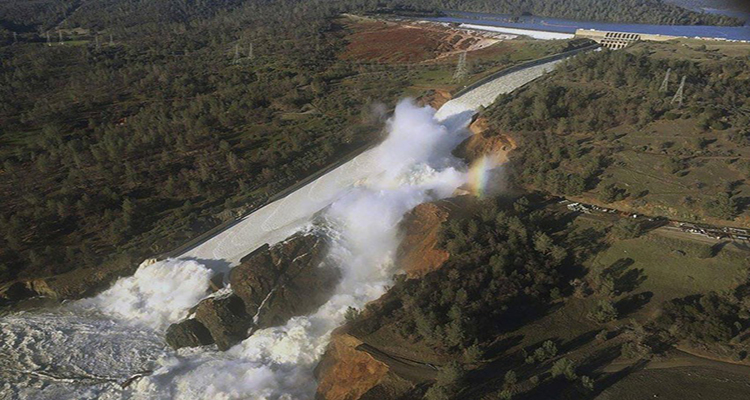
[619, 40]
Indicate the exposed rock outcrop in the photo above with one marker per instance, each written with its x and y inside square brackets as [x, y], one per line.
[484, 142]
[271, 285]
[188, 333]
[434, 98]
[283, 281]
[225, 318]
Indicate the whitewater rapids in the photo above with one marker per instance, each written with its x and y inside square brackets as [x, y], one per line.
[83, 349]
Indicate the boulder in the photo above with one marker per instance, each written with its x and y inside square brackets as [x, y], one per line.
[225, 318]
[16, 291]
[188, 333]
[286, 280]
[255, 277]
[271, 285]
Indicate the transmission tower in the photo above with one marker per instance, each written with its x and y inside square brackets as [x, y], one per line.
[250, 52]
[49, 42]
[461, 70]
[111, 40]
[236, 59]
[665, 85]
[679, 95]
[59, 35]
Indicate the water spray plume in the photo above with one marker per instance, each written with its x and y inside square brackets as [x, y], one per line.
[481, 172]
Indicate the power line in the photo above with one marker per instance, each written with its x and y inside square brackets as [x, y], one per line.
[236, 59]
[461, 70]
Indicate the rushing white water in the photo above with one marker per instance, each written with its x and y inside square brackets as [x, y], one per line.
[82, 349]
[157, 295]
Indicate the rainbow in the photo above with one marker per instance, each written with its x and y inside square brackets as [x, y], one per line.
[479, 174]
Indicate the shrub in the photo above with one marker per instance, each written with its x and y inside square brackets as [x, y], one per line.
[723, 206]
[564, 367]
[587, 383]
[473, 353]
[510, 378]
[604, 312]
[352, 314]
[627, 228]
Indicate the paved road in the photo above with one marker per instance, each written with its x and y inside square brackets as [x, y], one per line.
[277, 220]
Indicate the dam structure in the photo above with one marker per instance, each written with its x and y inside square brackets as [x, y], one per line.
[619, 40]
[609, 34]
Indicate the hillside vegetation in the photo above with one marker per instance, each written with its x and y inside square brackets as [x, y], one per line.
[142, 131]
[600, 128]
[535, 302]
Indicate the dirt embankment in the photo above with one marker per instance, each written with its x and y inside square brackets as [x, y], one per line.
[75, 284]
[485, 142]
[388, 42]
[419, 253]
[347, 372]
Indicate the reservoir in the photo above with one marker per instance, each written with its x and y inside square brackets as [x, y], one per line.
[569, 26]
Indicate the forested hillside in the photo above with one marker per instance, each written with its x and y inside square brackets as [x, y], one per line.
[153, 117]
[602, 128]
[150, 124]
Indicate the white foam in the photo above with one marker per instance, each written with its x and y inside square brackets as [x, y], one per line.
[156, 295]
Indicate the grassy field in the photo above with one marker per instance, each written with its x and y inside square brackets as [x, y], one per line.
[660, 267]
[679, 383]
[657, 267]
[711, 164]
[667, 160]
[670, 268]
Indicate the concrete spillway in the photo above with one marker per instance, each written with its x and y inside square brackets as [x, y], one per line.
[276, 221]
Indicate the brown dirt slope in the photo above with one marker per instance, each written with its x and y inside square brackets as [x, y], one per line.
[398, 43]
[348, 373]
[418, 253]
